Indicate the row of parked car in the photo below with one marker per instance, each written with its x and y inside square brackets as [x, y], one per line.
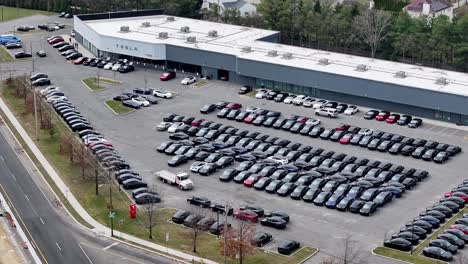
[427, 150]
[101, 147]
[447, 242]
[306, 101]
[67, 50]
[279, 166]
[121, 65]
[142, 97]
[259, 239]
[52, 26]
[393, 118]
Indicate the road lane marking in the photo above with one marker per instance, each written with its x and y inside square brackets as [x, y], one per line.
[42, 221]
[24, 224]
[58, 246]
[86, 255]
[111, 245]
[27, 198]
[13, 176]
[122, 256]
[2, 158]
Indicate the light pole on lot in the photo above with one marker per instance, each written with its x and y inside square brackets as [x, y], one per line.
[226, 210]
[36, 123]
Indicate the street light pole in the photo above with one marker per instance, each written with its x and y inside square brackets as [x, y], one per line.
[36, 123]
[111, 210]
[225, 229]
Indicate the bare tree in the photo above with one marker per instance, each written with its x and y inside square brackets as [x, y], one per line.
[350, 253]
[372, 27]
[239, 240]
[150, 211]
[194, 231]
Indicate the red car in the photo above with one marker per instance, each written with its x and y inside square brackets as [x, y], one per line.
[234, 106]
[346, 138]
[246, 215]
[249, 119]
[460, 227]
[197, 122]
[343, 127]
[167, 76]
[302, 119]
[462, 195]
[382, 116]
[393, 118]
[80, 60]
[55, 40]
[249, 182]
[107, 143]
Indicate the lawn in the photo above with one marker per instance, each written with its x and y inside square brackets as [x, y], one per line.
[97, 206]
[95, 84]
[117, 107]
[5, 55]
[9, 13]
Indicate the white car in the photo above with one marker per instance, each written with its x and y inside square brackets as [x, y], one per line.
[92, 140]
[197, 165]
[298, 100]
[163, 126]
[318, 104]
[45, 91]
[329, 112]
[351, 110]
[188, 80]
[162, 94]
[279, 160]
[313, 121]
[251, 109]
[54, 99]
[173, 127]
[289, 99]
[142, 101]
[365, 131]
[116, 66]
[261, 94]
[108, 66]
[308, 102]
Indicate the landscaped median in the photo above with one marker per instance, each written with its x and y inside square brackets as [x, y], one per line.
[98, 83]
[417, 256]
[117, 107]
[5, 56]
[82, 185]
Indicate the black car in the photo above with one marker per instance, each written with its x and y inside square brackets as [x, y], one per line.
[177, 160]
[208, 108]
[441, 157]
[286, 189]
[383, 197]
[322, 198]
[208, 169]
[133, 183]
[316, 131]
[398, 243]
[262, 183]
[219, 208]
[371, 114]
[126, 68]
[257, 210]
[261, 238]
[437, 253]
[274, 221]
[199, 201]
[368, 208]
[356, 206]
[415, 123]
[444, 244]
[286, 247]
[245, 89]
[452, 239]
[404, 120]
[418, 152]
[326, 134]
[180, 216]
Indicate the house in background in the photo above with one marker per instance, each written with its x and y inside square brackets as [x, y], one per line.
[245, 7]
[430, 8]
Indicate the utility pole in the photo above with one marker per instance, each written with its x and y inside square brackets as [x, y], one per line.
[111, 210]
[36, 123]
[225, 229]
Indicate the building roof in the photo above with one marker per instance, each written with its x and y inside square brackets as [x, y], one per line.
[235, 5]
[232, 40]
[436, 5]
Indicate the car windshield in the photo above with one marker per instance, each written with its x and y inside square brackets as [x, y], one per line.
[183, 178]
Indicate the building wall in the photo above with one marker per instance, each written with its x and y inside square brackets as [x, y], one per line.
[201, 58]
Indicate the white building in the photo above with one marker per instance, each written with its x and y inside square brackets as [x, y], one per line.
[245, 7]
[430, 8]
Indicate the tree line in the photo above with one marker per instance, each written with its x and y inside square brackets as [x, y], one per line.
[348, 28]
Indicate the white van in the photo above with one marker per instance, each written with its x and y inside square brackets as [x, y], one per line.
[330, 112]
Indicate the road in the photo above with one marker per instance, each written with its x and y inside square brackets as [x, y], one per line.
[56, 238]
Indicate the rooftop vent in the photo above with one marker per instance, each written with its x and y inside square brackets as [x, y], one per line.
[287, 56]
[323, 62]
[124, 29]
[185, 29]
[272, 53]
[191, 39]
[163, 35]
[212, 33]
[441, 81]
[361, 68]
[246, 49]
[145, 24]
[400, 74]
[170, 19]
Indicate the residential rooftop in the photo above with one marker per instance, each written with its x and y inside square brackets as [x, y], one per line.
[245, 43]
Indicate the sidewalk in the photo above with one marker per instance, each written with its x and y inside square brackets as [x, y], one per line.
[98, 227]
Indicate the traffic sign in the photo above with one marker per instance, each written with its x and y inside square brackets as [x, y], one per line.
[121, 222]
[111, 214]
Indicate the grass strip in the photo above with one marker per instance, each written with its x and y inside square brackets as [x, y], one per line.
[118, 107]
[404, 256]
[5, 56]
[92, 83]
[83, 188]
[10, 13]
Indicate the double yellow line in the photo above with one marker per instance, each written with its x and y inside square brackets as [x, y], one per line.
[33, 242]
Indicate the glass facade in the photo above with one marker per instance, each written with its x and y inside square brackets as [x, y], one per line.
[450, 117]
[90, 47]
[286, 87]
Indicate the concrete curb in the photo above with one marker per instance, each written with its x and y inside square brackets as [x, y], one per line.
[382, 256]
[310, 256]
[89, 88]
[98, 227]
[115, 113]
[20, 231]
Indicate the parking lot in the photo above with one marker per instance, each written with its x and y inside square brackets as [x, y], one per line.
[135, 137]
